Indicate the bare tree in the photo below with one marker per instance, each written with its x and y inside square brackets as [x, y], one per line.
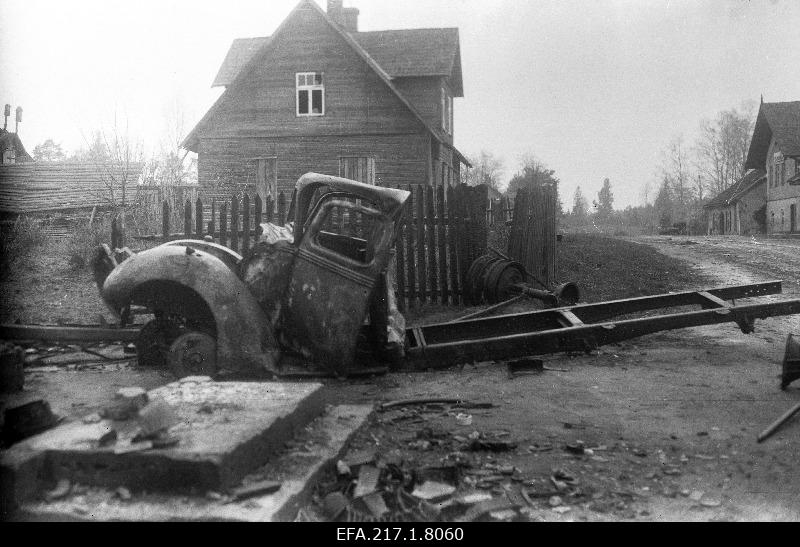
[675, 171]
[486, 169]
[721, 148]
[118, 160]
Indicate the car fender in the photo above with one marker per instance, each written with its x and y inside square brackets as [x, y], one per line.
[200, 286]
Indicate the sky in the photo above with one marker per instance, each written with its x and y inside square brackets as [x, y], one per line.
[594, 89]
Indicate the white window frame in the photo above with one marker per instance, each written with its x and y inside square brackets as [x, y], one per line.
[305, 87]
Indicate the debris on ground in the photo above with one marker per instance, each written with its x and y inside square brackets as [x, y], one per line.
[524, 366]
[28, 419]
[61, 490]
[785, 417]
[12, 375]
[259, 488]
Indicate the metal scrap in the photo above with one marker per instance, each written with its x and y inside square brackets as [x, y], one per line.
[785, 417]
[368, 477]
[259, 488]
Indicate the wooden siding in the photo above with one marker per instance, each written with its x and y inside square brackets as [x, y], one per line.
[425, 94]
[227, 163]
[356, 100]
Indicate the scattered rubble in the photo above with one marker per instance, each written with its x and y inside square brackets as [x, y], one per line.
[12, 376]
[28, 419]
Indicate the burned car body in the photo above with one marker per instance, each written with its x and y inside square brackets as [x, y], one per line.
[302, 293]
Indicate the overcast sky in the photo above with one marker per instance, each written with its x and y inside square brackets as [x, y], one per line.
[593, 88]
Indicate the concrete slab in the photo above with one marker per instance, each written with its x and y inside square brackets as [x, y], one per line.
[321, 444]
[225, 431]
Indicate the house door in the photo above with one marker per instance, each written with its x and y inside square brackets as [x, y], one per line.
[793, 218]
[267, 181]
[722, 223]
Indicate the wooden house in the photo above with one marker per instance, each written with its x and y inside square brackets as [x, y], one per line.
[736, 209]
[775, 148]
[318, 95]
[11, 149]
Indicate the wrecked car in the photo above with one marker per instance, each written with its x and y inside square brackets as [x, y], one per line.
[317, 291]
[319, 294]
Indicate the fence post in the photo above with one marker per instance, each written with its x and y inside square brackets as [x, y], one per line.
[452, 244]
[223, 224]
[401, 261]
[245, 224]
[430, 227]
[165, 221]
[212, 225]
[410, 248]
[442, 229]
[270, 210]
[187, 219]
[258, 207]
[462, 237]
[234, 223]
[198, 214]
[421, 266]
[281, 209]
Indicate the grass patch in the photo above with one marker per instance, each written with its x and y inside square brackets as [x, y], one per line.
[18, 242]
[84, 240]
[607, 269]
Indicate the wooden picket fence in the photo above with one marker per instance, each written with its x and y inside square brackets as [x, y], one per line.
[532, 241]
[500, 211]
[234, 224]
[438, 236]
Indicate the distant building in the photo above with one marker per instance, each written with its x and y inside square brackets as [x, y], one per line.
[775, 149]
[11, 149]
[318, 95]
[63, 192]
[735, 210]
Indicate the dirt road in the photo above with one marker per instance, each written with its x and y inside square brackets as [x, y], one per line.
[668, 422]
[672, 417]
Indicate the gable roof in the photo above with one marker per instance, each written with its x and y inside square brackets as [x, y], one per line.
[399, 53]
[738, 189]
[241, 51]
[12, 140]
[190, 142]
[779, 120]
[416, 52]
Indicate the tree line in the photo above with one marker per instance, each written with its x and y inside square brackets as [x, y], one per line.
[686, 177]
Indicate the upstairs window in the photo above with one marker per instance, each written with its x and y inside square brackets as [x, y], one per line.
[310, 94]
[447, 112]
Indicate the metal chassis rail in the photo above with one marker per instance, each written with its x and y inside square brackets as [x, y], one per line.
[83, 333]
[586, 326]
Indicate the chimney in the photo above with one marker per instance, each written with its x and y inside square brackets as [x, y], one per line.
[7, 114]
[18, 119]
[347, 18]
